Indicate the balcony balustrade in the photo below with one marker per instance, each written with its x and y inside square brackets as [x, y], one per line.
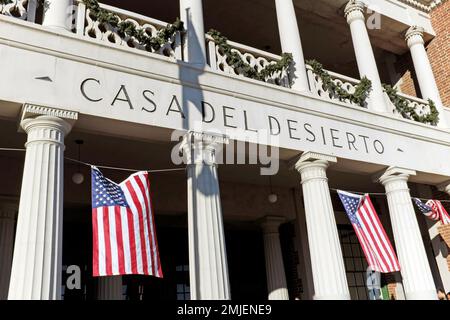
[21, 9]
[257, 59]
[85, 25]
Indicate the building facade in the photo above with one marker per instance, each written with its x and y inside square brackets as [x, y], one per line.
[244, 164]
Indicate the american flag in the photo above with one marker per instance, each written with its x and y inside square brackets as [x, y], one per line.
[433, 209]
[124, 234]
[426, 209]
[376, 246]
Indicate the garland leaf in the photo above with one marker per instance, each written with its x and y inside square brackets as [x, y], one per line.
[402, 105]
[235, 61]
[127, 28]
[362, 89]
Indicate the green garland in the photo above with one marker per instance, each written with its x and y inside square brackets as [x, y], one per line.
[235, 61]
[362, 89]
[402, 106]
[127, 28]
[4, 2]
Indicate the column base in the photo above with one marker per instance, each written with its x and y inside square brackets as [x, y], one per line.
[279, 294]
[57, 27]
[421, 295]
[332, 297]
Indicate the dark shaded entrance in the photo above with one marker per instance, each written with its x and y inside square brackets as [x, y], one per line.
[245, 253]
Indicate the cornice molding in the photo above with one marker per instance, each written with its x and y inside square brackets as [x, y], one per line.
[30, 110]
[423, 7]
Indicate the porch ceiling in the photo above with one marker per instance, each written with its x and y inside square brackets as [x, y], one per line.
[324, 31]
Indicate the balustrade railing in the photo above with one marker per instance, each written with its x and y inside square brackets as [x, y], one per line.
[317, 88]
[421, 106]
[21, 9]
[87, 26]
[257, 59]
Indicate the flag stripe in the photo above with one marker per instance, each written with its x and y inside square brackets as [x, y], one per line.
[373, 241]
[132, 242]
[95, 251]
[153, 228]
[119, 237]
[139, 220]
[375, 244]
[125, 240]
[372, 260]
[113, 241]
[380, 239]
[138, 197]
[376, 220]
[441, 213]
[366, 249]
[101, 242]
[107, 238]
[124, 233]
[143, 197]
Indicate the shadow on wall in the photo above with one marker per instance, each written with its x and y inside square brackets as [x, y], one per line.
[191, 101]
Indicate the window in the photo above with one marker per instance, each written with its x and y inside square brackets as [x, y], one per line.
[355, 264]
[183, 289]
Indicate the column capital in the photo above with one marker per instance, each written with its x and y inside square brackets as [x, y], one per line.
[31, 112]
[444, 187]
[201, 147]
[393, 174]
[270, 224]
[414, 35]
[312, 159]
[354, 10]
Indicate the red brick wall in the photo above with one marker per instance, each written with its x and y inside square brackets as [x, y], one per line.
[439, 50]
[391, 285]
[404, 66]
[439, 54]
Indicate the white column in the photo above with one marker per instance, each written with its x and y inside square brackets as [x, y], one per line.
[192, 16]
[291, 42]
[330, 280]
[58, 14]
[208, 269]
[109, 288]
[424, 72]
[416, 273]
[276, 278]
[36, 268]
[354, 12]
[8, 212]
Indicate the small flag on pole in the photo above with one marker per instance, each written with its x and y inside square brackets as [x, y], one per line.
[426, 209]
[376, 246]
[124, 234]
[433, 209]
